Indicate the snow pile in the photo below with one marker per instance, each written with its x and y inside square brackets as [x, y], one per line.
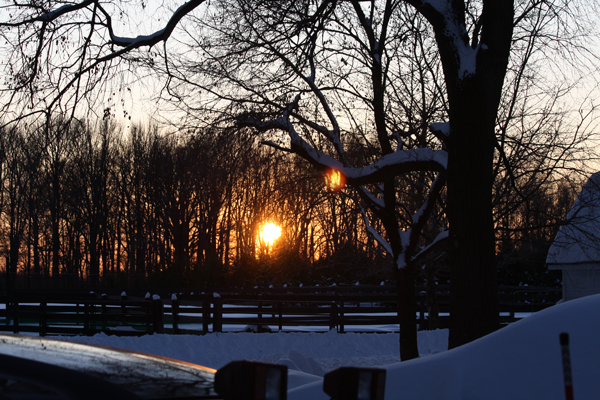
[328, 350]
[295, 361]
[521, 361]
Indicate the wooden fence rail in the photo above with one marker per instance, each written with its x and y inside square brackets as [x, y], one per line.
[204, 313]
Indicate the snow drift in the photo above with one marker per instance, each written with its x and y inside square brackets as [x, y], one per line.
[521, 361]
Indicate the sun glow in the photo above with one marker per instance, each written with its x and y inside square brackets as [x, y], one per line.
[270, 233]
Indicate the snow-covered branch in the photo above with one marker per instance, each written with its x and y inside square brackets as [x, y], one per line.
[422, 159]
[448, 23]
[130, 43]
[156, 37]
[444, 234]
[51, 15]
[376, 234]
[399, 162]
[440, 129]
[274, 145]
[423, 213]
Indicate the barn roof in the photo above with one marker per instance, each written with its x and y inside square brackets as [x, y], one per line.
[578, 242]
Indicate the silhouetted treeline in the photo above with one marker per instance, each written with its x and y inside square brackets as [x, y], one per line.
[90, 205]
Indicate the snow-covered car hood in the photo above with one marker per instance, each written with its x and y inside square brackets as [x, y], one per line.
[147, 376]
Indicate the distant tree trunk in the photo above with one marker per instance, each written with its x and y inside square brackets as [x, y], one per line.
[226, 238]
[13, 258]
[55, 204]
[94, 272]
[139, 245]
[407, 311]
[35, 239]
[107, 253]
[180, 231]
[433, 320]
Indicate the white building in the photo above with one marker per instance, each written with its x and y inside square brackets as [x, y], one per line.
[576, 248]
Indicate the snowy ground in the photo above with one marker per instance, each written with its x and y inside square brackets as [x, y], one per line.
[522, 361]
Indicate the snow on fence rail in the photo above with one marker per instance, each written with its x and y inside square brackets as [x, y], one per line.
[368, 310]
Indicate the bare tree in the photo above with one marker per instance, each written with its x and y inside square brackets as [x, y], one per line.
[317, 71]
[280, 74]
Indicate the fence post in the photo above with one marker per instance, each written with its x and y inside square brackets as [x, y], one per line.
[175, 313]
[43, 319]
[90, 320]
[205, 316]
[333, 316]
[341, 312]
[512, 306]
[149, 310]
[92, 314]
[103, 311]
[217, 313]
[422, 316]
[157, 315]
[123, 299]
[280, 312]
[8, 309]
[259, 326]
[15, 310]
[86, 319]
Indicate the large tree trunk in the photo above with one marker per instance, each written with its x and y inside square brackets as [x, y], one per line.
[473, 95]
[473, 286]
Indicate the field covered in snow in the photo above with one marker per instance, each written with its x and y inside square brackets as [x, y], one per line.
[521, 361]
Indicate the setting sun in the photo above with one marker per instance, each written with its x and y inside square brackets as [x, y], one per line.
[269, 233]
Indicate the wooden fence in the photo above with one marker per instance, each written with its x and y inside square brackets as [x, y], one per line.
[355, 309]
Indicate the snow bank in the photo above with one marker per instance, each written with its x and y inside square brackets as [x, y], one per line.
[521, 361]
[307, 355]
[329, 350]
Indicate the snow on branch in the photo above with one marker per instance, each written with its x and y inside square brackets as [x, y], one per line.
[456, 33]
[156, 37]
[376, 234]
[444, 234]
[442, 14]
[440, 128]
[126, 44]
[52, 15]
[373, 200]
[397, 163]
[405, 236]
[422, 214]
[422, 159]
[67, 8]
[270, 143]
